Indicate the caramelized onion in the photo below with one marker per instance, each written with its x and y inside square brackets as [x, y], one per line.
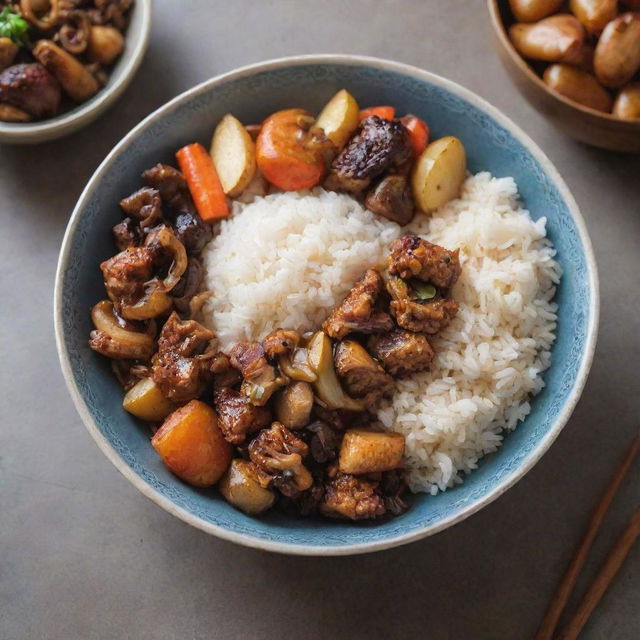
[155, 302]
[129, 343]
[44, 24]
[74, 35]
[167, 239]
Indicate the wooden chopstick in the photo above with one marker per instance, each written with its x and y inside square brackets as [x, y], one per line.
[606, 574]
[561, 596]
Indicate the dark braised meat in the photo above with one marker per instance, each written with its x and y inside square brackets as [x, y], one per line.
[180, 367]
[143, 205]
[279, 453]
[337, 419]
[338, 181]
[412, 256]
[392, 486]
[351, 497]
[237, 416]
[32, 88]
[126, 273]
[421, 316]
[224, 375]
[179, 209]
[426, 317]
[306, 503]
[127, 234]
[361, 375]
[356, 313]
[260, 378]
[377, 145]
[323, 442]
[401, 352]
[280, 342]
[188, 285]
[392, 198]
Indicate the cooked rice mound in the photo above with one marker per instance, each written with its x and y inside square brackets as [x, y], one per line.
[285, 261]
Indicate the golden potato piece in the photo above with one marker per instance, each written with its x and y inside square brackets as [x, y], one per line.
[368, 451]
[339, 118]
[627, 104]
[145, 401]
[555, 39]
[617, 55]
[240, 488]
[534, 10]
[594, 14]
[293, 405]
[191, 444]
[577, 85]
[438, 173]
[234, 155]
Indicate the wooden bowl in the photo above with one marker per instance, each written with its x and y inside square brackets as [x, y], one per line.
[582, 123]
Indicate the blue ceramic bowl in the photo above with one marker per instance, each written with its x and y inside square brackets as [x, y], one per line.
[492, 142]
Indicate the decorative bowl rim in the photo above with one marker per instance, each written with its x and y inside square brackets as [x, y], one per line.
[83, 114]
[257, 542]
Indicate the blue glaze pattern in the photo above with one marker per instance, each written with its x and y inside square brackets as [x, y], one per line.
[490, 144]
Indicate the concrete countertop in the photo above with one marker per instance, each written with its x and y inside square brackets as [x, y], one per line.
[84, 555]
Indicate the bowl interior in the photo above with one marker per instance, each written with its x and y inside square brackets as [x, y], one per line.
[492, 144]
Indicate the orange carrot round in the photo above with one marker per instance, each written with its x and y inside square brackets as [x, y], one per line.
[281, 154]
[384, 112]
[418, 133]
[203, 182]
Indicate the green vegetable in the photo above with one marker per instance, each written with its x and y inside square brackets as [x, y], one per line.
[422, 290]
[14, 26]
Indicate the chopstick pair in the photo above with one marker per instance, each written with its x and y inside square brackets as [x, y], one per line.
[607, 572]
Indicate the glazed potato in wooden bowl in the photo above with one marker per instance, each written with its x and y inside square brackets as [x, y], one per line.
[578, 63]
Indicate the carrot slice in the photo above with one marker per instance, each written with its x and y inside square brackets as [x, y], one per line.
[418, 133]
[203, 182]
[387, 113]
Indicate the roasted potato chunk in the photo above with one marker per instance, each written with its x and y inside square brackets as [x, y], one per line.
[293, 405]
[577, 85]
[191, 444]
[555, 39]
[368, 451]
[234, 155]
[145, 401]
[438, 173]
[534, 10]
[240, 487]
[627, 104]
[617, 56]
[339, 118]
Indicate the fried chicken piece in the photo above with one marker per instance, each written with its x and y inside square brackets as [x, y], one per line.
[224, 375]
[361, 375]
[237, 416]
[126, 273]
[356, 312]
[261, 380]
[280, 342]
[279, 453]
[411, 256]
[420, 316]
[401, 352]
[180, 368]
[347, 496]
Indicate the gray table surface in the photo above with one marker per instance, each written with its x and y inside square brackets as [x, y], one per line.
[84, 555]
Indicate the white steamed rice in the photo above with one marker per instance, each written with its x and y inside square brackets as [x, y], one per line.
[287, 259]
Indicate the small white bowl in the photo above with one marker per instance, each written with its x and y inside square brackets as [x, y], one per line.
[136, 43]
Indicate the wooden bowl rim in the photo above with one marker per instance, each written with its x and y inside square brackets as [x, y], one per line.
[499, 28]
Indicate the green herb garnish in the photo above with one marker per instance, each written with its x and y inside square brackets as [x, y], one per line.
[422, 290]
[14, 26]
